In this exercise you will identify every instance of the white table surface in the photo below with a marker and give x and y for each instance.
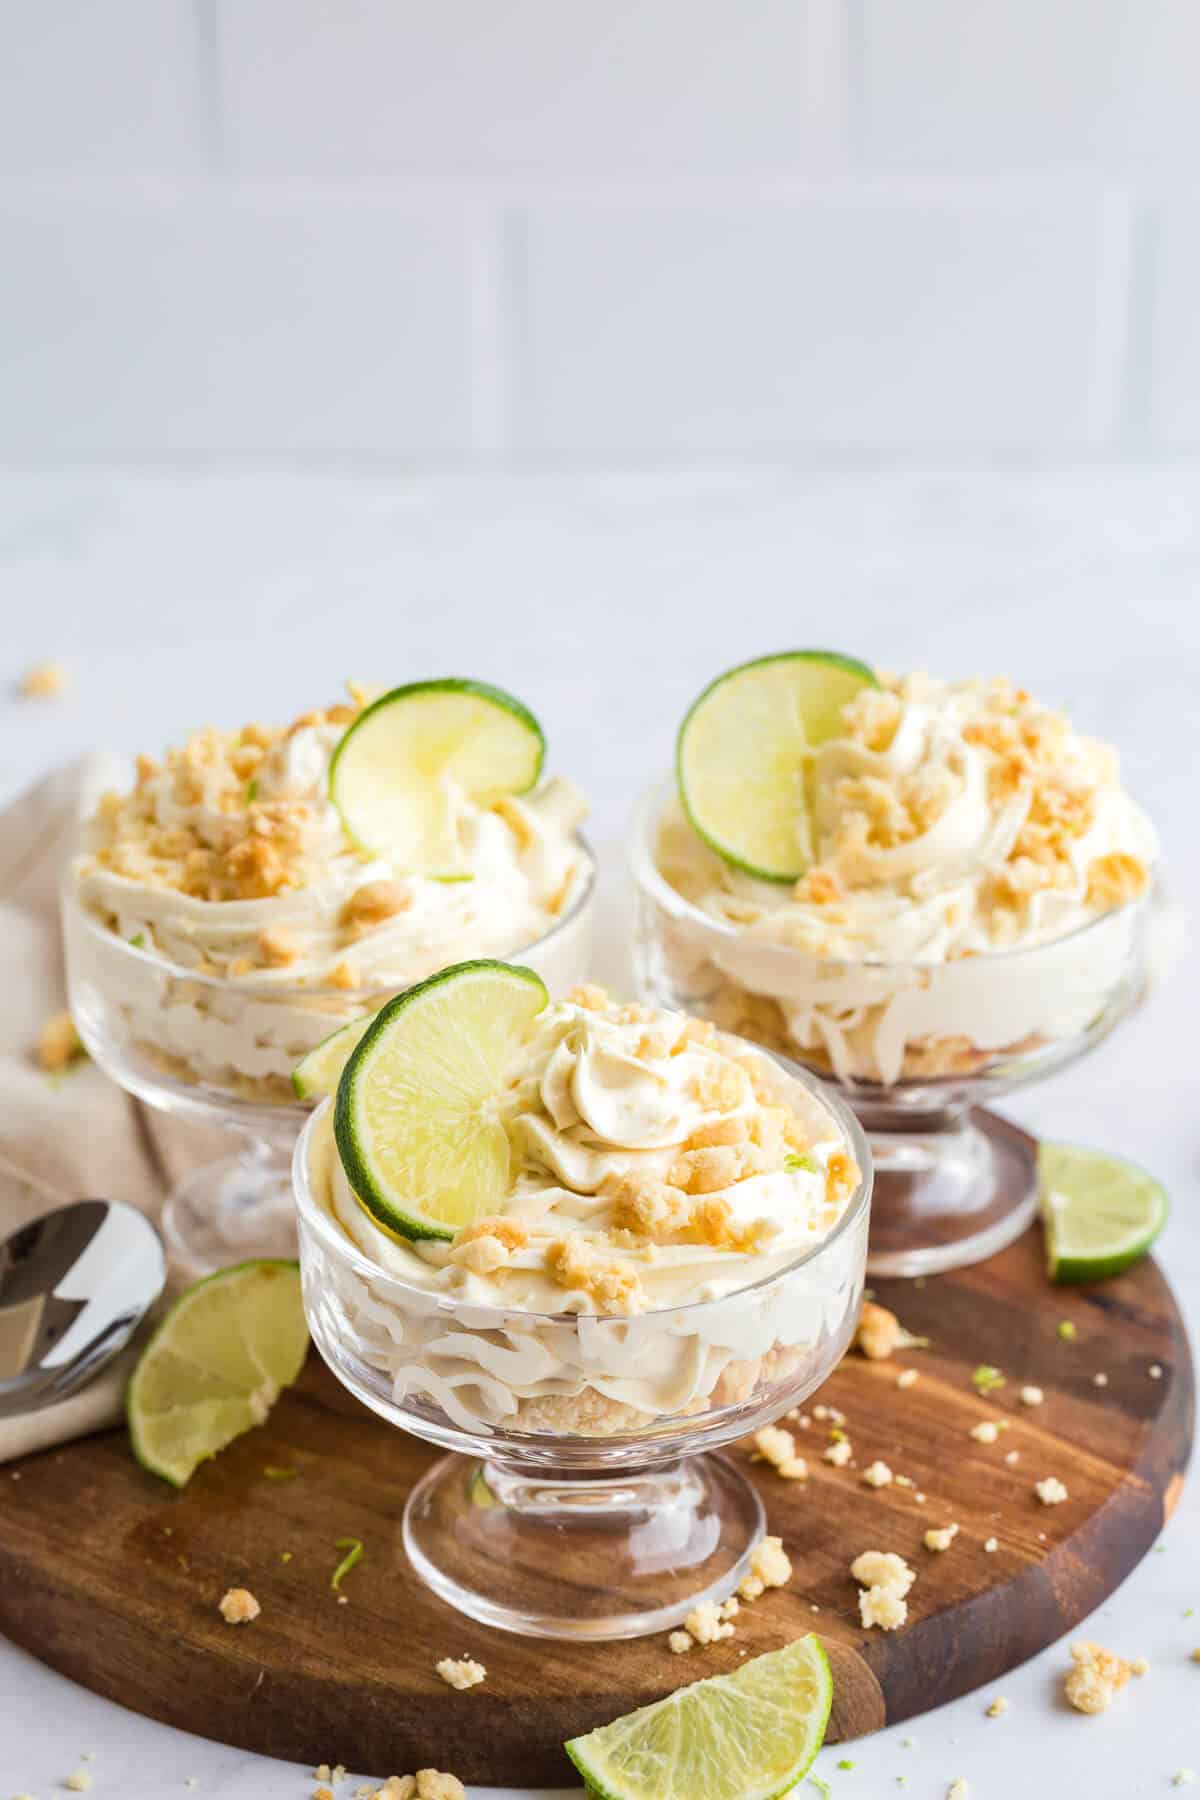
(606, 601)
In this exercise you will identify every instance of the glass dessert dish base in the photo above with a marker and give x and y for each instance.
(602, 1556)
(950, 1195)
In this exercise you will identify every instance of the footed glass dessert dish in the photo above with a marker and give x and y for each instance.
(927, 892)
(583, 1347)
(257, 889)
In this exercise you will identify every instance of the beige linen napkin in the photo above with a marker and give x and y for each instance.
(76, 1134)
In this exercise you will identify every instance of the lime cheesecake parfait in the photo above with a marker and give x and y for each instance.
(927, 892)
(579, 1244)
(254, 890)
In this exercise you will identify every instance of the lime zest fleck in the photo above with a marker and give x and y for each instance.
(845, 1763)
(823, 1788)
(273, 1473)
(252, 791)
(354, 1549)
(792, 1161)
(1067, 1329)
(986, 1379)
(285, 1556)
(138, 939)
(449, 880)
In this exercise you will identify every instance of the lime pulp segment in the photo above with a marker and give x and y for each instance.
(390, 774)
(419, 1111)
(318, 1073)
(750, 1735)
(742, 753)
(216, 1366)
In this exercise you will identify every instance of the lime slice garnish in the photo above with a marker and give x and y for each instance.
(318, 1073)
(418, 1116)
(216, 1366)
(741, 755)
(1100, 1213)
(747, 1736)
(388, 776)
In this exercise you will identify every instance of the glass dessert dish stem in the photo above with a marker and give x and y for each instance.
(587, 1554)
(234, 1209)
(951, 1187)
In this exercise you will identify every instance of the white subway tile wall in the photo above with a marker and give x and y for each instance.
(843, 321)
(884, 228)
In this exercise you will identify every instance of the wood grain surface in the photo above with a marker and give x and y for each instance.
(114, 1579)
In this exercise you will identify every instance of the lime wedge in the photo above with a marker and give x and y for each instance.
(216, 1366)
(318, 1073)
(741, 755)
(747, 1736)
(1100, 1213)
(418, 1116)
(388, 776)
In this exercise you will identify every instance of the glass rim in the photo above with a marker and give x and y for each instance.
(260, 983)
(336, 1240)
(650, 880)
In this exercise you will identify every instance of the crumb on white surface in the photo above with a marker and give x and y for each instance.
(998, 1708)
(959, 1790)
(461, 1672)
(45, 681)
(238, 1606)
(79, 1782)
(1051, 1491)
(1184, 1778)
(1139, 1667)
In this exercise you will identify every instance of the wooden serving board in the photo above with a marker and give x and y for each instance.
(114, 1579)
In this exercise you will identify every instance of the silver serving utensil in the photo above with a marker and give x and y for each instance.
(74, 1286)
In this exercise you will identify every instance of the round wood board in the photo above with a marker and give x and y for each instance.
(114, 1579)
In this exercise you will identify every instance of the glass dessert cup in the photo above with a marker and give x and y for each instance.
(915, 1048)
(580, 1501)
(221, 1052)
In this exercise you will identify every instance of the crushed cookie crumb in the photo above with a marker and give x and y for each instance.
(998, 1708)
(883, 1568)
(45, 681)
(940, 1537)
(959, 1790)
(1051, 1491)
(1100, 1379)
(58, 1043)
(1012, 1456)
(1032, 1396)
(986, 1432)
(704, 1624)
(462, 1673)
(79, 1782)
(1156, 1373)
(885, 1607)
(238, 1606)
(877, 1475)
(679, 1643)
(839, 1453)
(991, 1546)
(907, 1378)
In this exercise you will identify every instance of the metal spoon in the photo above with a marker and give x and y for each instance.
(74, 1286)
